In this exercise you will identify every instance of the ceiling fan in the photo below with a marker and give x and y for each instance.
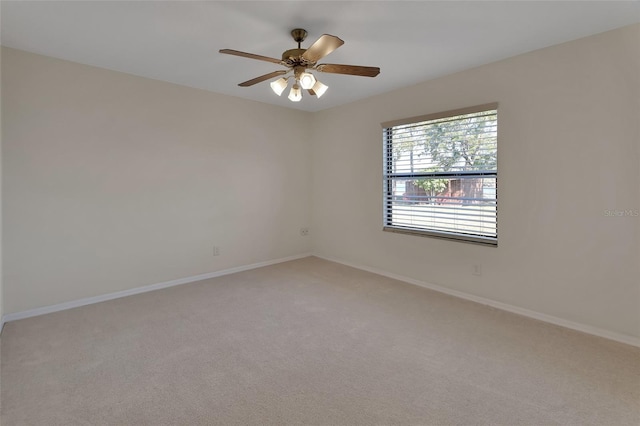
(299, 61)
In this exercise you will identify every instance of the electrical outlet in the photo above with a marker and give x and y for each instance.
(216, 251)
(304, 231)
(477, 270)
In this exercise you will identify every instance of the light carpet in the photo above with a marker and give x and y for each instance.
(309, 342)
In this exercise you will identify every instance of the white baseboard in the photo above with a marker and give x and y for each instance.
(124, 293)
(622, 338)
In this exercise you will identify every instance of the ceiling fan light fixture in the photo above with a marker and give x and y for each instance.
(300, 63)
(295, 95)
(279, 85)
(307, 80)
(319, 88)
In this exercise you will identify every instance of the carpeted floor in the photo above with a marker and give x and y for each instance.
(309, 342)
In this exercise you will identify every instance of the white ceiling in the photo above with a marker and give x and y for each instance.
(410, 41)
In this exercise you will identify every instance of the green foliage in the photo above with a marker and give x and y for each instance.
(463, 143)
(451, 144)
(431, 186)
(468, 144)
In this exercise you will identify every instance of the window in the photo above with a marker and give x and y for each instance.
(440, 174)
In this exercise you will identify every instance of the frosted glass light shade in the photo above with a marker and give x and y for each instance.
(279, 85)
(319, 88)
(295, 95)
(307, 80)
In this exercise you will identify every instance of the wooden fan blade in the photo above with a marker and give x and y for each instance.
(262, 78)
(250, 56)
(349, 69)
(322, 47)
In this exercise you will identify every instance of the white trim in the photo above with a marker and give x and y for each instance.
(124, 293)
(622, 338)
(618, 337)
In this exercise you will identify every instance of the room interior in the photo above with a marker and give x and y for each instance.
(123, 186)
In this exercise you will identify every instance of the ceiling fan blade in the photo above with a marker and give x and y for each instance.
(262, 78)
(250, 56)
(322, 47)
(349, 69)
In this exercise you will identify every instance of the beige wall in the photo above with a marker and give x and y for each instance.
(568, 151)
(113, 181)
(1, 284)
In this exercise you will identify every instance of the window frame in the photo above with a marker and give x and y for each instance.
(388, 194)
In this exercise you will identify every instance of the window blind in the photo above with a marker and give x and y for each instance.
(440, 175)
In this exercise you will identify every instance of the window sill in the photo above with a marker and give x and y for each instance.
(473, 239)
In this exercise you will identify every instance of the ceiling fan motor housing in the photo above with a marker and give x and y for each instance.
(292, 54)
(293, 57)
